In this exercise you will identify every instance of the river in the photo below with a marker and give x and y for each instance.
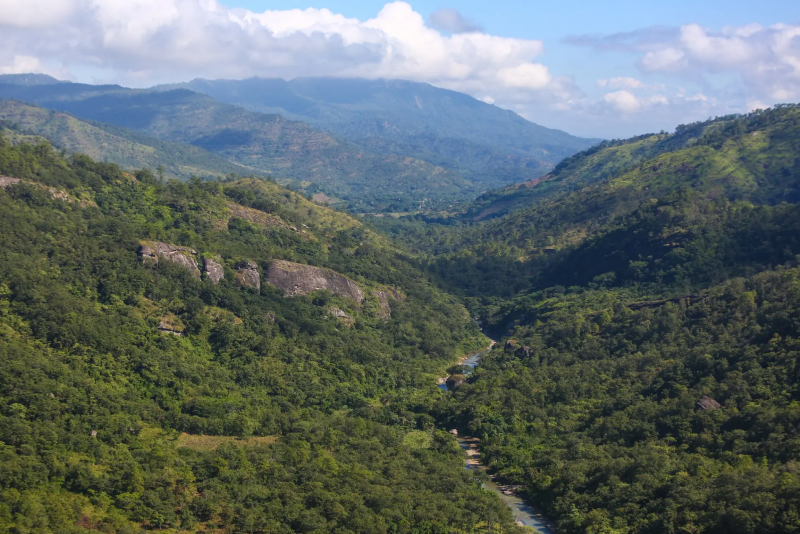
(524, 513)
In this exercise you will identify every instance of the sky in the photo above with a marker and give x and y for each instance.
(607, 69)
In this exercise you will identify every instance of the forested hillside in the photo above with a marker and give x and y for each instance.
(647, 379)
(153, 376)
(354, 177)
(489, 144)
(113, 144)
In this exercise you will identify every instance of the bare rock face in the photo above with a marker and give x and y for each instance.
(248, 276)
(153, 251)
(296, 279)
(213, 270)
(705, 404)
(5, 181)
(384, 296)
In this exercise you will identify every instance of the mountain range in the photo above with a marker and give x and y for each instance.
(228, 355)
(371, 161)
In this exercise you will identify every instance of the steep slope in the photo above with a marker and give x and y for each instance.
(270, 143)
(647, 375)
(113, 144)
(493, 145)
(137, 395)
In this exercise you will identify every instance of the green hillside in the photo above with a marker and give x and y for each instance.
(488, 144)
(112, 144)
(138, 395)
(647, 306)
(362, 180)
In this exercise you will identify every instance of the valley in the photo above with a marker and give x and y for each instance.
(190, 343)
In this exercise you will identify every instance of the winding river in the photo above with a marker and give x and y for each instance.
(524, 513)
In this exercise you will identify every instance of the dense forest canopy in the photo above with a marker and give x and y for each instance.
(141, 396)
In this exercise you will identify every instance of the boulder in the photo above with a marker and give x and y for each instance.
(524, 352)
(342, 316)
(213, 270)
(705, 404)
(153, 251)
(248, 276)
(297, 279)
(454, 381)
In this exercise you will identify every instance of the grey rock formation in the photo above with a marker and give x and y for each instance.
(384, 297)
(213, 270)
(297, 279)
(524, 352)
(153, 251)
(5, 181)
(705, 404)
(248, 276)
(454, 381)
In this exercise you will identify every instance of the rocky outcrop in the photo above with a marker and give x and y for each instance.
(5, 181)
(524, 352)
(170, 324)
(154, 251)
(706, 404)
(384, 297)
(213, 270)
(55, 194)
(342, 316)
(454, 381)
(297, 279)
(248, 276)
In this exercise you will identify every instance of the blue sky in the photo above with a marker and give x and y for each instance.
(604, 69)
(554, 21)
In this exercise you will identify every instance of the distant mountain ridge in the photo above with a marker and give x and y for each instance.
(407, 118)
(269, 143)
(129, 149)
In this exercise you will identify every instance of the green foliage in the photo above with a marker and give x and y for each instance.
(95, 394)
(358, 179)
(486, 144)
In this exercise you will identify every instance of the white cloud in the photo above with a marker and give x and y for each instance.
(451, 21)
(150, 41)
(621, 83)
(624, 101)
(766, 59)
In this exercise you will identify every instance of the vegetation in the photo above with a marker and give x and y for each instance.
(647, 293)
(358, 179)
(649, 379)
(295, 421)
(103, 142)
(489, 145)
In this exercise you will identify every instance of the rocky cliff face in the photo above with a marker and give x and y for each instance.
(153, 251)
(213, 270)
(384, 297)
(296, 279)
(248, 276)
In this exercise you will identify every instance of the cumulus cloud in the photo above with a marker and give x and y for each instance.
(147, 41)
(622, 82)
(451, 21)
(766, 60)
